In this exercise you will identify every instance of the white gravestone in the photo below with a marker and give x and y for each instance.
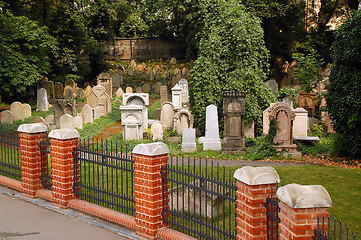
(87, 114)
(183, 83)
(167, 115)
(177, 96)
(6, 117)
(131, 118)
(66, 121)
(189, 140)
(42, 100)
(157, 131)
(78, 122)
(27, 110)
(212, 140)
(300, 124)
(141, 99)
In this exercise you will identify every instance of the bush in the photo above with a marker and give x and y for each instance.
(232, 56)
(344, 88)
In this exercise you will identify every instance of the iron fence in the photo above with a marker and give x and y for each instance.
(199, 200)
(45, 177)
(10, 162)
(331, 231)
(104, 175)
(272, 212)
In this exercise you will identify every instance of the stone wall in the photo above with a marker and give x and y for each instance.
(143, 48)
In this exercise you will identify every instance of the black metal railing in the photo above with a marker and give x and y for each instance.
(331, 231)
(10, 162)
(45, 177)
(199, 200)
(272, 212)
(104, 175)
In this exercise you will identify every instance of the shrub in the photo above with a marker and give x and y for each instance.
(344, 88)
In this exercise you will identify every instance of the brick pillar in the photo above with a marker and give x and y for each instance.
(30, 137)
(299, 208)
(253, 186)
(62, 164)
(148, 161)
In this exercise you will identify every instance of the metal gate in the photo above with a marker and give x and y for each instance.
(272, 211)
(45, 165)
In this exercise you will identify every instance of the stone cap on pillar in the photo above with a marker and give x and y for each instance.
(65, 133)
(299, 196)
(257, 175)
(151, 149)
(32, 128)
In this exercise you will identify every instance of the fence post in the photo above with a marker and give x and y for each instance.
(62, 164)
(254, 184)
(30, 137)
(299, 208)
(148, 162)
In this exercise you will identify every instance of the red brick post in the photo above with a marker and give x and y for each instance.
(148, 161)
(30, 137)
(299, 208)
(62, 164)
(253, 187)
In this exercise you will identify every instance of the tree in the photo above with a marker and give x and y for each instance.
(25, 48)
(232, 56)
(344, 88)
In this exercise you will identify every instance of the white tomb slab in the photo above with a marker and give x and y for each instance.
(131, 118)
(212, 140)
(189, 140)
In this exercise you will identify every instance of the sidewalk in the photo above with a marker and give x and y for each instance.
(23, 218)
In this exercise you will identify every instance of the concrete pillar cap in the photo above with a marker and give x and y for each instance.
(151, 149)
(309, 196)
(32, 128)
(257, 175)
(65, 133)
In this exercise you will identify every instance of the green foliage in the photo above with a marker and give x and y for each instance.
(344, 88)
(133, 26)
(327, 145)
(24, 50)
(232, 56)
(286, 92)
(307, 71)
(156, 104)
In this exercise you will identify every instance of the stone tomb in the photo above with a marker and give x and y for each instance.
(234, 113)
(284, 116)
(105, 80)
(167, 115)
(61, 107)
(212, 140)
(131, 118)
(99, 98)
(183, 119)
(300, 124)
(192, 197)
(141, 99)
(177, 96)
(41, 100)
(189, 140)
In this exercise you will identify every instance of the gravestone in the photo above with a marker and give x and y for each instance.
(157, 131)
(68, 93)
(300, 124)
(284, 117)
(249, 130)
(87, 114)
(61, 107)
(307, 101)
(66, 121)
(177, 96)
(80, 94)
(212, 140)
(50, 89)
(70, 82)
(39, 120)
(138, 89)
(141, 99)
(183, 83)
(16, 108)
(117, 79)
(129, 90)
(50, 119)
(42, 101)
(189, 140)
(6, 117)
(88, 90)
(58, 91)
(164, 97)
(99, 98)
(119, 93)
(157, 86)
(146, 88)
(96, 113)
(167, 115)
(131, 118)
(105, 80)
(234, 113)
(183, 119)
(274, 85)
(27, 110)
(78, 122)
(175, 79)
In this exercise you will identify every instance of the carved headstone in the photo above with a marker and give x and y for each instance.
(80, 94)
(131, 118)
(307, 101)
(50, 89)
(177, 96)
(88, 90)
(234, 113)
(167, 115)
(183, 119)
(70, 82)
(105, 80)
(61, 107)
(58, 91)
(183, 83)
(117, 79)
(99, 98)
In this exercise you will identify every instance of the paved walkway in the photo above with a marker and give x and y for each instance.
(22, 218)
